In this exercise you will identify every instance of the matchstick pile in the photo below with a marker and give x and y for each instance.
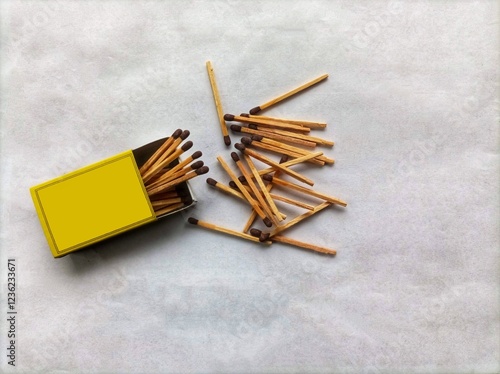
(162, 173)
(290, 139)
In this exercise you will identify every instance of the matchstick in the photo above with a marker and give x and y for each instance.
(262, 139)
(276, 100)
(211, 226)
(185, 162)
(283, 239)
(291, 134)
(271, 148)
(264, 205)
(271, 135)
(290, 201)
(245, 193)
(310, 124)
(166, 161)
(300, 218)
(273, 164)
(293, 161)
(266, 123)
(170, 208)
(304, 190)
(223, 187)
(167, 177)
(218, 105)
(165, 202)
(160, 151)
(169, 195)
(188, 176)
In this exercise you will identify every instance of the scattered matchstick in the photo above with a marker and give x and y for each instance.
(211, 226)
(300, 218)
(218, 105)
(266, 123)
(223, 187)
(289, 139)
(276, 100)
(283, 239)
(291, 134)
(310, 124)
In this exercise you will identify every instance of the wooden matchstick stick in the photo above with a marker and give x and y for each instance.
(293, 161)
(211, 226)
(165, 202)
(283, 239)
(218, 105)
(269, 187)
(310, 124)
(271, 148)
(264, 205)
(167, 177)
(290, 201)
(304, 190)
(168, 151)
(225, 188)
(276, 100)
(271, 135)
(300, 218)
(262, 187)
(169, 195)
(266, 123)
(262, 139)
(166, 161)
(273, 164)
(185, 162)
(188, 176)
(169, 209)
(245, 193)
(160, 151)
(291, 134)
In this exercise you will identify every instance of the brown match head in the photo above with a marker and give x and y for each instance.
(236, 128)
(246, 140)
(267, 177)
(264, 236)
(202, 170)
(227, 140)
(255, 232)
(255, 110)
(267, 222)
(233, 185)
(240, 147)
(235, 156)
(197, 165)
(187, 200)
(185, 134)
(196, 155)
(211, 181)
(245, 115)
(186, 146)
(257, 138)
(177, 133)
(242, 179)
(229, 117)
(192, 220)
(252, 126)
(283, 159)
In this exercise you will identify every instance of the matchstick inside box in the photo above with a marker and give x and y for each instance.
(117, 194)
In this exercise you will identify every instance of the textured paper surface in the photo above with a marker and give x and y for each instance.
(412, 104)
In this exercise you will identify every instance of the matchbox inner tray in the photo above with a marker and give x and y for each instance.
(98, 201)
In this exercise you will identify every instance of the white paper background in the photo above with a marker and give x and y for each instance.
(412, 104)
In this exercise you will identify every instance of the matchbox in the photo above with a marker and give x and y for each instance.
(101, 200)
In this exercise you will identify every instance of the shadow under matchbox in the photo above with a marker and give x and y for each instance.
(105, 199)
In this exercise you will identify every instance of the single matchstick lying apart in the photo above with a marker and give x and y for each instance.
(266, 123)
(283, 239)
(310, 124)
(162, 174)
(276, 100)
(218, 105)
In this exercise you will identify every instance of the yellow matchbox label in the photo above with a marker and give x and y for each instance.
(92, 204)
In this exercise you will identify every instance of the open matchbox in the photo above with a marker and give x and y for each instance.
(98, 201)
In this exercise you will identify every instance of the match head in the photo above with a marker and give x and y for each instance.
(202, 170)
(192, 220)
(196, 155)
(283, 159)
(246, 140)
(236, 128)
(211, 181)
(242, 179)
(267, 222)
(255, 110)
(245, 115)
(252, 126)
(267, 177)
(235, 156)
(185, 134)
(240, 147)
(227, 140)
(188, 200)
(257, 137)
(197, 165)
(255, 232)
(229, 117)
(264, 236)
(233, 185)
(177, 133)
(186, 146)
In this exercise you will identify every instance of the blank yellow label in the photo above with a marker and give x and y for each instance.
(92, 204)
